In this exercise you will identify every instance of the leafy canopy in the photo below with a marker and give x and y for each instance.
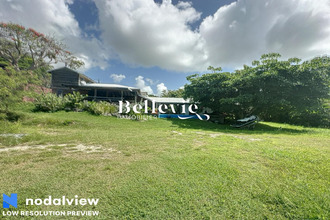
(18, 42)
(276, 90)
(25, 57)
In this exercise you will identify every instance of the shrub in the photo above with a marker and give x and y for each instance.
(72, 101)
(135, 116)
(84, 105)
(49, 103)
(14, 116)
(102, 108)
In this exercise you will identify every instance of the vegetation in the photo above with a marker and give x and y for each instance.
(25, 57)
(18, 42)
(167, 168)
(288, 91)
(12, 86)
(72, 102)
(173, 93)
(171, 168)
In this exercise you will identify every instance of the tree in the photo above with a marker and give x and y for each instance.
(17, 43)
(173, 93)
(25, 57)
(209, 90)
(282, 91)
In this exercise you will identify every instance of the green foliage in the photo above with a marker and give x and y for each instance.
(281, 91)
(18, 42)
(173, 93)
(84, 105)
(25, 58)
(49, 103)
(102, 108)
(12, 85)
(72, 101)
(11, 116)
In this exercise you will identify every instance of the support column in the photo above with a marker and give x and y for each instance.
(95, 94)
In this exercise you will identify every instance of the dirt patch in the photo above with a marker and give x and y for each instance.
(247, 138)
(255, 139)
(13, 135)
(215, 135)
(175, 132)
(92, 149)
(71, 148)
(202, 133)
(27, 147)
(50, 132)
(198, 143)
(242, 137)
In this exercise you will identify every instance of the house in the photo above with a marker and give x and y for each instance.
(65, 80)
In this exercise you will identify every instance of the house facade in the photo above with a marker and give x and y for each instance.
(65, 80)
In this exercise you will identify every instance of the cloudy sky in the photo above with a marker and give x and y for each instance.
(154, 45)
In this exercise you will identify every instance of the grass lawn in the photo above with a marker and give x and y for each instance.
(167, 168)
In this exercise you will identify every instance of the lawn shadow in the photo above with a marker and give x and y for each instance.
(260, 128)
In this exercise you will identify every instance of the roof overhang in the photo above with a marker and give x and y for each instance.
(165, 100)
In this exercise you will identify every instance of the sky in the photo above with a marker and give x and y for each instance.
(155, 45)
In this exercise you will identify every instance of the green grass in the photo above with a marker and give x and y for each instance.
(167, 168)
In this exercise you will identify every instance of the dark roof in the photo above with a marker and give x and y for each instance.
(168, 100)
(108, 86)
(71, 70)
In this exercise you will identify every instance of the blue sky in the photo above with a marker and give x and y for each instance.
(155, 45)
(86, 13)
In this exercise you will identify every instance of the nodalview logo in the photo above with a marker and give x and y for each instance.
(12, 201)
(9, 200)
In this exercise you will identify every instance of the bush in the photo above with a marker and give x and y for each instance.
(49, 103)
(72, 101)
(84, 105)
(11, 116)
(14, 116)
(102, 108)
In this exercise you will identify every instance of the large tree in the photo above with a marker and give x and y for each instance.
(25, 57)
(277, 90)
(173, 93)
(18, 42)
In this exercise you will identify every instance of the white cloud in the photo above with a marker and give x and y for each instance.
(244, 30)
(150, 81)
(145, 33)
(141, 84)
(161, 88)
(54, 18)
(117, 77)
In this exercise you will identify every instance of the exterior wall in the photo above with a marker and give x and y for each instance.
(65, 80)
(61, 78)
(37, 89)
